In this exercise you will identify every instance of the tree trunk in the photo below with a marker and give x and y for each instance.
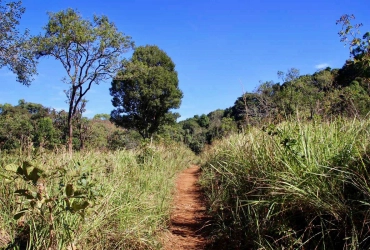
(71, 113)
(70, 136)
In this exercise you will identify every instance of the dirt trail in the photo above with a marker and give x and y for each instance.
(188, 218)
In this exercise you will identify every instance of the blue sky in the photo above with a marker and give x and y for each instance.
(220, 48)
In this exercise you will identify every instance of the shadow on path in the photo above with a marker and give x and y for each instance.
(189, 222)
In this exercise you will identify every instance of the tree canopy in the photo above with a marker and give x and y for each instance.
(145, 91)
(90, 52)
(16, 49)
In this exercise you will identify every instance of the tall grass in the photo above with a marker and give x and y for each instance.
(132, 206)
(292, 186)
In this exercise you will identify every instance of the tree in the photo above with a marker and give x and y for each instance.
(145, 91)
(246, 109)
(215, 123)
(194, 135)
(203, 121)
(288, 94)
(266, 95)
(89, 51)
(359, 47)
(15, 127)
(27, 125)
(16, 50)
(45, 134)
(355, 74)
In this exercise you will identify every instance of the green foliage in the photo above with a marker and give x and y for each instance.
(203, 121)
(145, 92)
(16, 50)
(124, 139)
(201, 130)
(359, 67)
(326, 93)
(98, 200)
(17, 126)
(146, 154)
(45, 211)
(29, 126)
(89, 51)
(359, 47)
(228, 126)
(45, 135)
(170, 133)
(294, 185)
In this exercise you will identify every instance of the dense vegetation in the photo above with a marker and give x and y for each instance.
(297, 185)
(299, 180)
(29, 126)
(285, 167)
(325, 94)
(145, 92)
(98, 200)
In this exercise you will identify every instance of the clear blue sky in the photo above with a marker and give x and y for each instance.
(220, 48)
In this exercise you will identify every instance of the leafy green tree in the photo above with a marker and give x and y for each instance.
(355, 101)
(45, 135)
(16, 50)
(324, 79)
(288, 94)
(354, 77)
(246, 109)
(215, 117)
(15, 127)
(60, 123)
(89, 51)
(228, 126)
(171, 132)
(266, 95)
(215, 123)
(191, 129)
(359, 47)
(203, 121)
(145, 91)
(27, 125)
(197, 132)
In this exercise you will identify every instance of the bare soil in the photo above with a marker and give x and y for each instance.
(188, 229)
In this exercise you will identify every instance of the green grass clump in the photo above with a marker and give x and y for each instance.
(128, 195)
(292, 186)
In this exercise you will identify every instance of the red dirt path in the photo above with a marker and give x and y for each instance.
(188, 218)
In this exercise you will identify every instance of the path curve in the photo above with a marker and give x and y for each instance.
(188, 218)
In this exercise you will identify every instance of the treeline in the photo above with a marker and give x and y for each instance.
(28, 126)
(145, 89)
(326, 94)
(323, 95)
